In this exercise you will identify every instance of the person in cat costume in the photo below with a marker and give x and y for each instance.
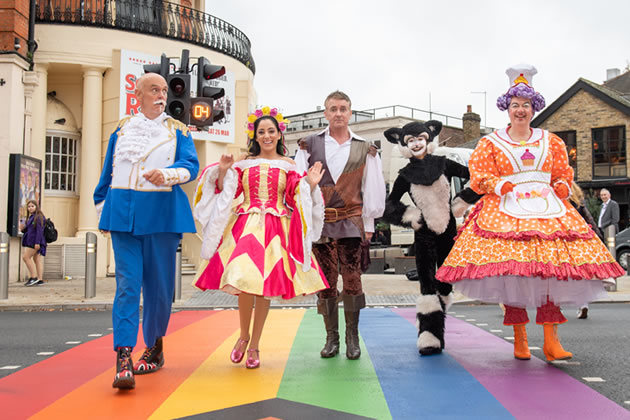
(426, 178)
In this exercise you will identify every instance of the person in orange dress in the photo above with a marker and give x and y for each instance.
(523, 244)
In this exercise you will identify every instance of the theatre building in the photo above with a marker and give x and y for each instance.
(67, 75)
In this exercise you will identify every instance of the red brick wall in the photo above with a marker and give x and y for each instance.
(14, 24)
(451, 136)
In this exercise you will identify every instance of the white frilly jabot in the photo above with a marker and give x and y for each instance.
(137, 135)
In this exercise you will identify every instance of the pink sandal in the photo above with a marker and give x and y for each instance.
(253, 359)
(238, 351)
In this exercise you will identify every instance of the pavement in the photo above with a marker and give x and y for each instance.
(380, 290)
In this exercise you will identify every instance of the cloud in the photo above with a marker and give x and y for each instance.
(400, 52)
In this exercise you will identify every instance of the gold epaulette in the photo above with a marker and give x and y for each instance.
(124, 121)
(174, 124)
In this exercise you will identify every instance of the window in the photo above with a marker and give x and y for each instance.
(609, 152)
(570, 142)
(61, 163)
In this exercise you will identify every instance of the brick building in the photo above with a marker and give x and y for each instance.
(594, 121)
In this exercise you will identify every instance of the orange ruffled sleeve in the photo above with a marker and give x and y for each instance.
(484, 171)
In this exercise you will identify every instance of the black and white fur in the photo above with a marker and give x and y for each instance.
(427, 179)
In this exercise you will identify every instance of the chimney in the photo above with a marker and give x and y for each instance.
(612, 73)
(472, 125)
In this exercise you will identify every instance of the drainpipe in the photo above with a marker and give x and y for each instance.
(32, 44)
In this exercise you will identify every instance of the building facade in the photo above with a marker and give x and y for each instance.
(594, 121)
(371, 124)
(62, 67)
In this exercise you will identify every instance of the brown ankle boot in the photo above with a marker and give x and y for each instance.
(521, 349)
(552, 348)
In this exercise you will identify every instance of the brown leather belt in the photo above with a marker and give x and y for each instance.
(332, 214)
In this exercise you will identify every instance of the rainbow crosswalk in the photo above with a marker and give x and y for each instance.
(476, 377)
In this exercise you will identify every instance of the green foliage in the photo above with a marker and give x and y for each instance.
(382, 226)
(592, 203)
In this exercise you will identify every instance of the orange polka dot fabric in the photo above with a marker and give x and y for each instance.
(492, 243)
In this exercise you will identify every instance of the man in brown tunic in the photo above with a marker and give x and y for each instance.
(354, 194)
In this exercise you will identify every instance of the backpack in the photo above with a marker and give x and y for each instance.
(50, 233)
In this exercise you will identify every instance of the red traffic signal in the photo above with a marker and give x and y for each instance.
(203, 112)
(178, 102)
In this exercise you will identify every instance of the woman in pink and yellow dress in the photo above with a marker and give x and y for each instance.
(259, 248)
(523, 245)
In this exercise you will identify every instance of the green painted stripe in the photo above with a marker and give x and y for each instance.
(337, 383)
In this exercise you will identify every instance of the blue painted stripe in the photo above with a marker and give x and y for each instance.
(417, 386)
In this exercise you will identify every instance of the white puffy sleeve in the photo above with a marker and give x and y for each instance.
(373, 189)
(212, 207)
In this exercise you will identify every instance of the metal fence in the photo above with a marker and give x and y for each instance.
(375, 113)
(151, 17)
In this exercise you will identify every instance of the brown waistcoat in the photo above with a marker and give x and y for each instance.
(343, 200)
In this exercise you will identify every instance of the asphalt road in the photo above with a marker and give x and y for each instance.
(600, 344)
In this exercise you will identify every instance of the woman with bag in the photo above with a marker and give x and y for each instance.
(34, 243)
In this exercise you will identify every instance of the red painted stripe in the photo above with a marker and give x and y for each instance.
(54, 377)
(185, 350)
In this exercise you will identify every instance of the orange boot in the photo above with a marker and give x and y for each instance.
(552, 348)
(521, 349)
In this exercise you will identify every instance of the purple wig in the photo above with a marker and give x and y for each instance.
(521, 90)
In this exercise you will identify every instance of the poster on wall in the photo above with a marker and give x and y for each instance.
(24, 185)
(131, 68)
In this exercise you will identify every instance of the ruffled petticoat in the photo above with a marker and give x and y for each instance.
(525, 268)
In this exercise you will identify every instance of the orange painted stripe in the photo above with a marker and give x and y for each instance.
(62, 373)
(185, 350)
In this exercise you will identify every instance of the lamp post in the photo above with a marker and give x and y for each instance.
(485, 112)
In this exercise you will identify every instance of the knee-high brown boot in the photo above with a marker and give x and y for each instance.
(552, 348)
(352, 306)
(330, 311)
(521, 348)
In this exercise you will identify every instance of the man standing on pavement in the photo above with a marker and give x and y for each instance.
(354, 195)
(609, 213)
(140, 202)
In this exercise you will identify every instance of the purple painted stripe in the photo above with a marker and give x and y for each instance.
(527, 389)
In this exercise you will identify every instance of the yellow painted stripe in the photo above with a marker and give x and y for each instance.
(218, 383)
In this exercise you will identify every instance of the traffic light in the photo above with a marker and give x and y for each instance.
(178, 102)
(203, 112)
(163, 68)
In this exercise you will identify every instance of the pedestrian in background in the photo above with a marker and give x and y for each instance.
(609, 213)
(577, 200)
(34, 243)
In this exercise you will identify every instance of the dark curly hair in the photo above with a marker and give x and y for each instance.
(254, 148)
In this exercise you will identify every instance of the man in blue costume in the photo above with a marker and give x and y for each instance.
(140, 202)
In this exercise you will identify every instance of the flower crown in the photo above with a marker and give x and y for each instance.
(265, 111)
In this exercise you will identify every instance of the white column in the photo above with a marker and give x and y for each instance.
(37, 146)
(91, 137)
(31, 82)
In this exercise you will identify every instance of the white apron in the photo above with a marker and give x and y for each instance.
(532, 196)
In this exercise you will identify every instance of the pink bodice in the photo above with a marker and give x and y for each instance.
(263, 190)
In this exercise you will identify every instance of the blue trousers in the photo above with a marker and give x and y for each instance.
(143, 263)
